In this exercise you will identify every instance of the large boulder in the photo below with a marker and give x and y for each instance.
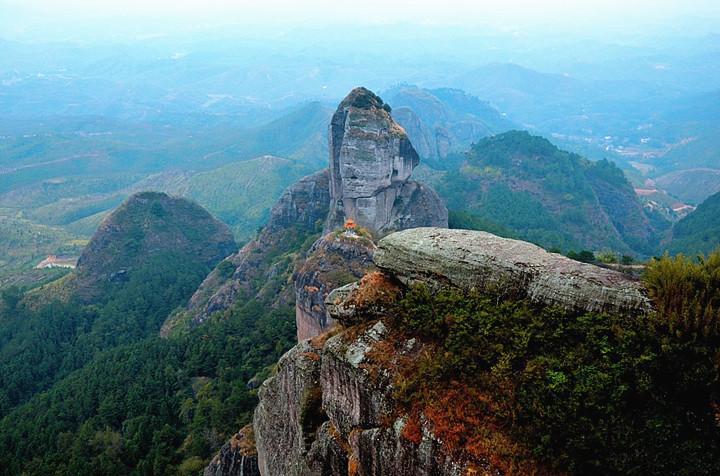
(508, 268)
(371, 160)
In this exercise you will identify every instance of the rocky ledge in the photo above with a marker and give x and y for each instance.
(508, 268)
(325, 413)
(329, 410)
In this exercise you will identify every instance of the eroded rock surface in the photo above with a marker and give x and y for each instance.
(300, 210)
(334, 260)
(371, 160)
(237, 457)
(324, 414)
(330, 409)
(509, 268)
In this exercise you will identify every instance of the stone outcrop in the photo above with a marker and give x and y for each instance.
(371, 160)
(334, 260)
(237, 457)
(329, 410)
(324, 414)
(510, 268)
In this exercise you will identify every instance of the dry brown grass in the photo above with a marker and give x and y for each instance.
(375, 289)
(318, 341)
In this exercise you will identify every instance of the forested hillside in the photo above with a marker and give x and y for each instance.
(524, 184)
(699, 232)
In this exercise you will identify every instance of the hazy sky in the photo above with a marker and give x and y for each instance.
(23, 15)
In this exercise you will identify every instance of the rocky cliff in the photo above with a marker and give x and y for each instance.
(238, 457)
(371, 160)
(336, 259)
(331, 407)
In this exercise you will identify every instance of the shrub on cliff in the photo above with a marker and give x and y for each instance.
(584, 393)
(686, 293)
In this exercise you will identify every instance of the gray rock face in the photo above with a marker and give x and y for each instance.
(324, 415)
(289, 413)
(237, 457)
(371, 160)
(509, 268)
(334, 260)
(303, 204)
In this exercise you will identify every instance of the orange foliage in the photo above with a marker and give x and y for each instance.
(349, 224)
(463, 418)
(311, 356)
(376, 289)
(412, 431)
(318, 341)
(353, 465)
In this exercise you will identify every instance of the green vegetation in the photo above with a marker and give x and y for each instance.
(585, 393)
(583, 256)
(686, 293)
(468, 221)
(522, 185)
(91, 389)
(24, 244)
(241, 194)
(699, 232)
(151, 407)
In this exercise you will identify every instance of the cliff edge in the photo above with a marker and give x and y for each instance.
(339, 405)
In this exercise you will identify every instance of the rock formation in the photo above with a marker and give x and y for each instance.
(510, 268)
(323, 414)
(329, 410)
(371, 160)
(299, 212)
(237, 457)
(334, 260)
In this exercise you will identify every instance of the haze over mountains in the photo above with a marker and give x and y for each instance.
(341, 239)
(85, 125)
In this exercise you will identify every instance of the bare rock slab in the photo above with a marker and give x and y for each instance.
(508, 268)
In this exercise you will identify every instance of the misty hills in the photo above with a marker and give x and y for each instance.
(443, 121)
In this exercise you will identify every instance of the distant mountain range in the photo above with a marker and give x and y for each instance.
(442, 122)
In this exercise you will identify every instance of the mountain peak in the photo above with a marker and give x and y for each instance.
(363, 98)
(371, 160)
(150, 225)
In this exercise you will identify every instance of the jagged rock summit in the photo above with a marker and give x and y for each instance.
(368, 181)
(371, 160)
